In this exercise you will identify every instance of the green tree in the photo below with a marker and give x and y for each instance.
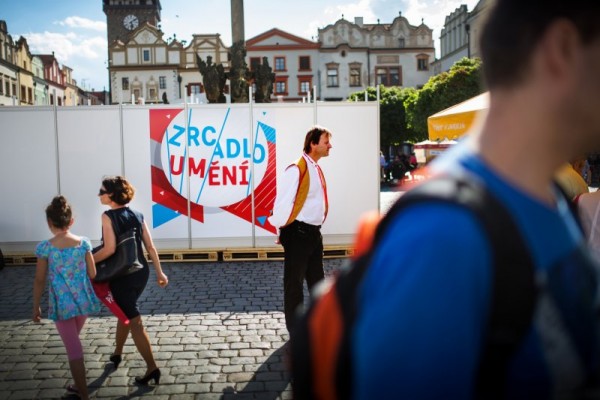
(392, 116)
(444, 90)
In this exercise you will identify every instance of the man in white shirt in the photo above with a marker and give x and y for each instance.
(299, 211)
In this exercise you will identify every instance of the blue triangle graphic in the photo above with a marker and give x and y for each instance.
(262, 220)
(162, 215)
(269, 131)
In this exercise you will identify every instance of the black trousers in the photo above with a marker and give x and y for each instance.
(303, 254)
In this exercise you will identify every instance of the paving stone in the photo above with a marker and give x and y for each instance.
(217, 331)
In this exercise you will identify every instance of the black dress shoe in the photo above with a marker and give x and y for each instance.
(116, 360)
(152, 375)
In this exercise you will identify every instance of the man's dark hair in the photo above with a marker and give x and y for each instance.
(514, 28)
(313, 136)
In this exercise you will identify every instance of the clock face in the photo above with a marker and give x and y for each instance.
(130, 22)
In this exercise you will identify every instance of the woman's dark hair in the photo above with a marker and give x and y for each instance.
(313, 136)
(119, 189)
(59, 212)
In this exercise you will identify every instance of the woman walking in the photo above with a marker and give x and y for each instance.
(116, 192)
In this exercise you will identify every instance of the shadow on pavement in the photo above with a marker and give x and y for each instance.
(270, 380)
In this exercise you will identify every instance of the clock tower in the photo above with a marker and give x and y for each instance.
(124, 16)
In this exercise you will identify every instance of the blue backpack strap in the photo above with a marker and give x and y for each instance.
(514, 290)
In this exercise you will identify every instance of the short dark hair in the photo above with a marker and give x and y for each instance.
(313, 136)
(119, 189)
(514, 28)
(59, 212)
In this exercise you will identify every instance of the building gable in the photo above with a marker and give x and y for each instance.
(279, 38)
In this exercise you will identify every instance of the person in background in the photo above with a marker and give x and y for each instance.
(116, 192)
(382, 166)
(588, 207)
(569, 177)
(412, 161)
(65, 265)
(424, 305)
(299, 211)
(586, 171)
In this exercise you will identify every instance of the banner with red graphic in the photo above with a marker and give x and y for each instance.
(210, 158)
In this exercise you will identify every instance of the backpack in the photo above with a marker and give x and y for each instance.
(320, 343)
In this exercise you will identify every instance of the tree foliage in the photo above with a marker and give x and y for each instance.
(403, 112)
(392, 116)
(444, 90)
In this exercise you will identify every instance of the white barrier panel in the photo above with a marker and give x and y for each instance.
(205, 175)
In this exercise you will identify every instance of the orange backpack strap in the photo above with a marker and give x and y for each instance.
(365, 232)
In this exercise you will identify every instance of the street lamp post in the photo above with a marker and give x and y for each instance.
(468, 30)
(179, 82)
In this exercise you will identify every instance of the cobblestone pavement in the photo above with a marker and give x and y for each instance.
(217, 331)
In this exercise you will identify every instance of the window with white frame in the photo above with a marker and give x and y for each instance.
(388, 76)
(333, 76)
(422, 63)
(280, 87)
(355, 75)
(279, 63)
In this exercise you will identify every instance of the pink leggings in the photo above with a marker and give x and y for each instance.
(68, 330)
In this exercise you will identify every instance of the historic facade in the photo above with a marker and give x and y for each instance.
(9, 93)
(476, 19)
(25, 76)
(460, 36)
(294, 60)
(125, 16)
(148, 69)
(356, 55)
(203, 46)
(55, 79)
(34, 79)
(40, 87)
(454, 40)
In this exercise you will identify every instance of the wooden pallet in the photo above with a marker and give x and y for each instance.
(188, 255)
(253, 254)
(276, 253)
(207, 255)
(19, 259)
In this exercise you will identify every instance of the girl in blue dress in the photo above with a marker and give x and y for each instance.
(65, 265)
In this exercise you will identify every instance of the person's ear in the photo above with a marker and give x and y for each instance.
(560, 49)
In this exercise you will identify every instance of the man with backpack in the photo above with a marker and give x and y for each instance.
(478, 284)
(424, 306)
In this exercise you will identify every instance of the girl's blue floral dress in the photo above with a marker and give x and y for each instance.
(70, 291)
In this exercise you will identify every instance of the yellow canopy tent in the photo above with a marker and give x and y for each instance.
(454, 121)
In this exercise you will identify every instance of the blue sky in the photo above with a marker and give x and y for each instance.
(76, 29)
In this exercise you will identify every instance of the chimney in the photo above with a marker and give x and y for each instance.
(358, 21)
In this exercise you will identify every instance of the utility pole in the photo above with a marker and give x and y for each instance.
(238, 70)
(237, 21)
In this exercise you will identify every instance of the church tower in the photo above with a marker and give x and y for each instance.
(124, 16)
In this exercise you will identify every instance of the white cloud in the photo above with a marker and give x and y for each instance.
(67, 46)
(83, 23)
